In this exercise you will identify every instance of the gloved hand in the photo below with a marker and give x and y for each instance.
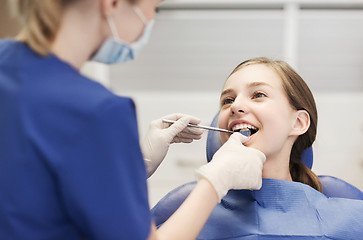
(160, 135)
(234, 166)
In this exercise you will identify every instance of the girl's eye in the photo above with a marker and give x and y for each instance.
(227, 101)
(258, 95)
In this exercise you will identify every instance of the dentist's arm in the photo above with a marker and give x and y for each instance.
(160, 135)
(187, 222)
(233, 166)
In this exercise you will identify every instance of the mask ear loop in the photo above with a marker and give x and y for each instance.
(113, 29)
(140, 14)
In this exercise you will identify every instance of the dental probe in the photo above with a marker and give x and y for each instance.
(246, 132)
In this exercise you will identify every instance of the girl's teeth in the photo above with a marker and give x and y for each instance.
(242, 126)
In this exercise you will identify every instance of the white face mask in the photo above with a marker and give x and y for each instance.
(114, 50)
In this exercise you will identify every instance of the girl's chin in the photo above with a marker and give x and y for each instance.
(224, 137)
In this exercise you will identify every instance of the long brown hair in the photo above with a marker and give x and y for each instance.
(300, 98)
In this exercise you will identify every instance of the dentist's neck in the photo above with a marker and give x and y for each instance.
(77, 37)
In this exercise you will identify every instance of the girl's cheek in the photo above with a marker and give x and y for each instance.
(223, 119)
(223, 123)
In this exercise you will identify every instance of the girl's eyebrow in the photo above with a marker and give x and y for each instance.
(250, 85)
(256, 84)
(226, 91)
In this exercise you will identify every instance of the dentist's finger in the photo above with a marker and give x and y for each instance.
(178, 139)
(179, 125)
(194, 130)
(239, 137)
(182, 140)
(187, 135)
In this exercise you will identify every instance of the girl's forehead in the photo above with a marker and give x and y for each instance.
(254, 73)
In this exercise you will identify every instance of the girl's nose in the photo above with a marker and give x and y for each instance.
(239, 111)
(238, 108)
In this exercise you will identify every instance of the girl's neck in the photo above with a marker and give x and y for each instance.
(274, 170)
(277, 165)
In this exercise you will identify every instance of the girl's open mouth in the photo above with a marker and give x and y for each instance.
(245, 127)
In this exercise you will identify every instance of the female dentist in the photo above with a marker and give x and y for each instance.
(71, 166)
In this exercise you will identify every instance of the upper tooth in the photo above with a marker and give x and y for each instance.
(244, 125)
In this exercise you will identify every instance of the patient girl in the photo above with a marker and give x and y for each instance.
(273, 101)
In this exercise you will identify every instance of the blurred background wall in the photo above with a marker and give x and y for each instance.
(195, 44)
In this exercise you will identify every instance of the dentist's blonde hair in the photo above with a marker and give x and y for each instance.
(40, 20)
(300, 98)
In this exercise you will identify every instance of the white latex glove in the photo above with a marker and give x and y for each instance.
(160, 135)
(234, 166)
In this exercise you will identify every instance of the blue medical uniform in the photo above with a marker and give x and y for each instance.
(70, 160)
(280, 210)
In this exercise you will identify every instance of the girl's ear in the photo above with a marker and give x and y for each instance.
(302, 123)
